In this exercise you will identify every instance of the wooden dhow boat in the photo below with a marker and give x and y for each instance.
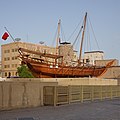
(55, 68)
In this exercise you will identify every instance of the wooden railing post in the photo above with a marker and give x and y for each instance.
(69, 94)
(55, 96)
(81, 94)
(92, 93)
(101, 96)
(118, 90)
(41, 95)
(111, 95)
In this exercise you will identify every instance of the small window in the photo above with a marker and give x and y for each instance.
(12, 65)
(12, 58)
(5, 74)
(15, 57)
(16, 49)
(15, 65)
(8, 58)
(12, 50)
(4, 51)
(8, 51)
(5, 66)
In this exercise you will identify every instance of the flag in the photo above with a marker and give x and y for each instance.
(5, 36)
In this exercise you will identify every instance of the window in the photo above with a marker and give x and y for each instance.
(6, 51)
(9, 74)
(5, 74)
(15, 65)
(8, 58)
(12, 50)
(6, 66)
(15, 57)
(16, 49)
(12, 73)
(12, 58)
(12, 65)
(16, 74)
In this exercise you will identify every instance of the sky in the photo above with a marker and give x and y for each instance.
(36, 20)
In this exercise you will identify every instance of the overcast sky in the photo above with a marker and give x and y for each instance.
(36, 20)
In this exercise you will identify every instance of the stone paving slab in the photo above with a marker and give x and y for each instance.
(99, 110)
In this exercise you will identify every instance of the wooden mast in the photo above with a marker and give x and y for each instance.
(81, 45)
(58, 36)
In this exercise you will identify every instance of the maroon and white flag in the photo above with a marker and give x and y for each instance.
(5, 36)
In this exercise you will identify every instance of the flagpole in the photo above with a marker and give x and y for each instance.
(9, 34)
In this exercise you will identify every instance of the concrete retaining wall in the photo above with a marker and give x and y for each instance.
(17, 94)
(25, 92)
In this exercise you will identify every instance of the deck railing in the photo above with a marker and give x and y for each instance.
(57, 95)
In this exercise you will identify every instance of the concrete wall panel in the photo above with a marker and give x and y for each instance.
(17, 92)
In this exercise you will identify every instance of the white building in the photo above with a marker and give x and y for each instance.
(92, 56)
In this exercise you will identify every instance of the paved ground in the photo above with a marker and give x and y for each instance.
(104, 110)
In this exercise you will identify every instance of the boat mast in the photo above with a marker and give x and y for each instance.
(81, 45)
(58, 36)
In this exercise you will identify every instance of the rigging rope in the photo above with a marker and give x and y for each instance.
(94, 34)
(54, 39)
(87, 43)
(63, 34)
(75, 29)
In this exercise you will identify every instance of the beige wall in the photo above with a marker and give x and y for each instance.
(93, 55)
(27, 92)
(21, 94)
(104, 62)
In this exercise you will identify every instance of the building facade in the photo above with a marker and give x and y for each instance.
(92, 56)
(10, 56)
(69, 55)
